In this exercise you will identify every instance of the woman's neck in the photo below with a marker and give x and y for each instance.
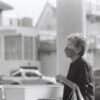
(75, 58)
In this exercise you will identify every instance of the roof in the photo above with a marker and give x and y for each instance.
(4, 6)
(51, 7)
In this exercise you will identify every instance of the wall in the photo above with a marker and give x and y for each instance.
(48, 63)
(7, 65)
(93, 30)
(70, 17)
(90, 58)
(33, 92)
(0, 17)
(12, 93)
(27, 22)
(42, 92)
(96, 59)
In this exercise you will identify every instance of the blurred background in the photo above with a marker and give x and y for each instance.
(33, 36)
(28, 34)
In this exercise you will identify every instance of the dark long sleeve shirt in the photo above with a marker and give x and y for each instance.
(80, 72)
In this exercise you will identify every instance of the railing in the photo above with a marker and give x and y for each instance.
(10, 22)
(16, 22)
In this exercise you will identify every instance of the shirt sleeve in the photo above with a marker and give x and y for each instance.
(71, 77)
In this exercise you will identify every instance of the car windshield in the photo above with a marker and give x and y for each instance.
(17, 74)
(30, 74)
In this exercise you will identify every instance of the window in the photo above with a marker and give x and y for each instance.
(28, 48)
(18, 75)
(13, 48)
(30, 74)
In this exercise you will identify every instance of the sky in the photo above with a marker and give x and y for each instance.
(26, 8)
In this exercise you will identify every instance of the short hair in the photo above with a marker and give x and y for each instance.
(79, 41)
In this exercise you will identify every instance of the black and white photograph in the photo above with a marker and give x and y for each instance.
(49, 50)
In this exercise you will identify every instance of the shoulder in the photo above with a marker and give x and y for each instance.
(85, 64)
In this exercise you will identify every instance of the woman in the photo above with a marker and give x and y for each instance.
(80, 71)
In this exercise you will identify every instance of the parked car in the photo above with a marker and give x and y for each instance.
(27, 76)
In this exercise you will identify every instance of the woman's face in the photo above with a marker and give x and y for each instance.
(70, 49)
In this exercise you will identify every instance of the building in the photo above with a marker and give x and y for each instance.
(46, 26)
(3, 7)
(93, 31)
(17, 43)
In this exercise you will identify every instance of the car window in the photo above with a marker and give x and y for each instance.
(17, 74)
(29, 74)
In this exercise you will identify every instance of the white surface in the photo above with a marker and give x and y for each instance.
(32, 92)
(40, 92)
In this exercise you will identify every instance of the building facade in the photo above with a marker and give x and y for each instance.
(93, 31)
(46, 27)
(17, 43)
